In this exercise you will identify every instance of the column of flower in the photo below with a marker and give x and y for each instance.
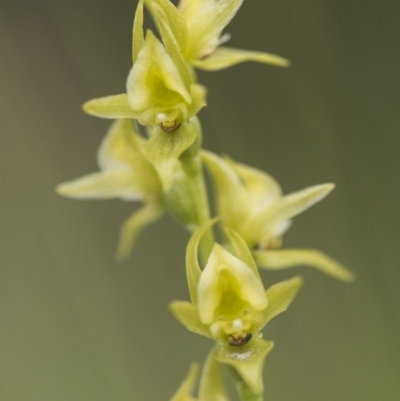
(164, 170)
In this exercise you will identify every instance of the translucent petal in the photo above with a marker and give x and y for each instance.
(188, 315)
(172, 44)
(137, 37)
(121, 149)
(173, 19)
(248, 361)
(207, 27)
(163, 150)
(285, 258)
(262, 189)
(280, 296)
(224, 272)
(198, 95)
(191, 9)
(154, 80)
(289, 206)
(110, 107)
(193, 270)
(224, 57)
(104, 185)
(186, 388)
(228, 186)
(242, 251)
(132, 227)
(211, 387)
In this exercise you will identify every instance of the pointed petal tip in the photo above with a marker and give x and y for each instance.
(348, 276)
(323, 190)
(86, 107)
(63, 190)
(121, 255)
(299, 280)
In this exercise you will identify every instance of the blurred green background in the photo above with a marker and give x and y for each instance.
(75, 325)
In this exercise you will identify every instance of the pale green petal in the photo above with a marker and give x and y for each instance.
(104, 185)
(163, 150)
(154, 80)
(121, 149)
(188, 315)
(137, 37)
(289, 206)
(211, 387)
(206, 29)
(172, 44)
(224, 57)
(132, 227)
(261, 187)
(224, 272)
(198, 94)
(285, 258)
(172, 79)
(193, 270)
(191, 9)
(242, 251)
(186, 388)
(228, 187)
(110, 107)
(280, 296)
(173, 19)
(248, 361)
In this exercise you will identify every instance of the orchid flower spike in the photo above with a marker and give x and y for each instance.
(260, 214)
(125, 173)
(195, 28)
(229, 305)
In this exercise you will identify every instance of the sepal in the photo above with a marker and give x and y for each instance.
(247, 360)
(264, 222)
(193, 270)
(206, 27)
(184, 392)
(280, 296)
(188, 315)
(286, 258)
(163, 150)
(115, 106)
(103, 185)
(133, 226)
(224, 57)
(137, 36)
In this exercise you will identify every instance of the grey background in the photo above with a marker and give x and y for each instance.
(75, 325)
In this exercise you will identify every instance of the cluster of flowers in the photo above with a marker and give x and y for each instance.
(164, 171)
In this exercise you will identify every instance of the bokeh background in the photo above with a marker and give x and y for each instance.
(75, 325)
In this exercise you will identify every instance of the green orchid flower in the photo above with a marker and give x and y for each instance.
(229, 305)
(195, 27)
(211, 387)
(158, 92)
(260, 214)
(125, 173)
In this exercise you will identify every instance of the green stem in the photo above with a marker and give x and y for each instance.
(193, 169)
(187, 201)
